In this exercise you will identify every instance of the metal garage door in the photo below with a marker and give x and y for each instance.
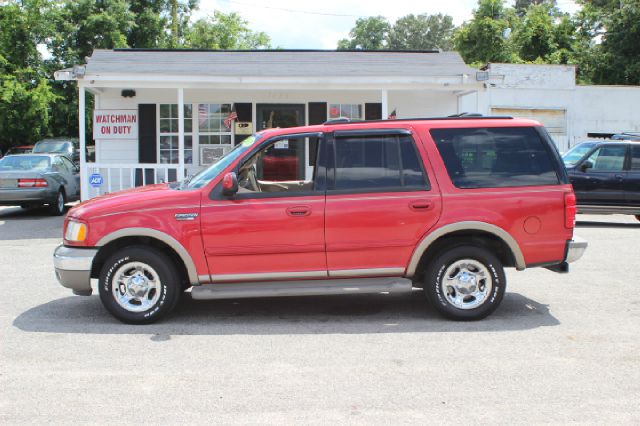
(555, 120)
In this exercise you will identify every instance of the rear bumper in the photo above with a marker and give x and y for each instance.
(73, 268)
(10, 197)
(575, 249)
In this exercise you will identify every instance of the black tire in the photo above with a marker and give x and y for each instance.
(466, 263)
(155, 262)
(56, 207)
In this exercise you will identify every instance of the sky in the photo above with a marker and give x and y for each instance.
(297, 24)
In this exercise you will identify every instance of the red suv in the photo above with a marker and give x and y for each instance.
(377, 206)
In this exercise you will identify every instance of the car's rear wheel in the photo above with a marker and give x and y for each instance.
(56, 207)
(139, 285)
(638, 217)
(465, 283)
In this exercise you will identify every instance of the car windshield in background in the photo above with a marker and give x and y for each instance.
(576, 153)
(55, 147)
(25, 162)
(210, 173)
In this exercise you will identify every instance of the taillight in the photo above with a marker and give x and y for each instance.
(570, 210)
(32, 183)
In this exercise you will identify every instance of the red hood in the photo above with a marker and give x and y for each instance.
(135, 199)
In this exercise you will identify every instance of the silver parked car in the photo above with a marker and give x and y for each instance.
(33, 180)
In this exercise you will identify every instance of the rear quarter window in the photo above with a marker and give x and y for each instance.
(496, 157)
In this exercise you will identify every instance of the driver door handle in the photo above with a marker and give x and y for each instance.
(299, 211)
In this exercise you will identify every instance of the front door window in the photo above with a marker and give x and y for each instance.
(279, 168)
(609, 158)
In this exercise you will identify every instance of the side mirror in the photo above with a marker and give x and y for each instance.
(229, 184)
(586, 166)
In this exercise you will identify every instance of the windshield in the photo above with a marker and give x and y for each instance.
(576, 153)
(210, 173)
(57, 147)
(25, 162)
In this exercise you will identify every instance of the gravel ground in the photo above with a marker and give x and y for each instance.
(560, 349)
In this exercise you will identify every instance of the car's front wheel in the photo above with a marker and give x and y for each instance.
(465, 283)
(139, 285)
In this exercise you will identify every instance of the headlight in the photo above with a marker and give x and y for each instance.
(76, 231)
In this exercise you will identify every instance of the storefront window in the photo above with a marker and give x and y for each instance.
(169, 151)
(214, 137)
(352, 111)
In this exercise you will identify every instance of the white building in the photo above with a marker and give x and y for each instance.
(159, 114)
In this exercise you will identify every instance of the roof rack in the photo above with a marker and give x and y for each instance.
(461, 116)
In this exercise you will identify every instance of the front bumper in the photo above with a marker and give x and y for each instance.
(73, 268)
(575, 249)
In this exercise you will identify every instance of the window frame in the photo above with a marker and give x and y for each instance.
(331, 162)
(340, 104)
(160, 134)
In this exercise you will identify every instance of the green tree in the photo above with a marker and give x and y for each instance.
(614, 31)
(486, 37)
(521, 6)
(224, 31)
(535, 37)
(368, 34)
(422, 32)
(25, 92)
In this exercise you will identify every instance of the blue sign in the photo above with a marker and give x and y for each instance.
(96, 180)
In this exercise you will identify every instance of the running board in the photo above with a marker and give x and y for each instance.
(301, 288)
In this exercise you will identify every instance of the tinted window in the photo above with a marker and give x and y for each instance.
(608, 158)
(635, 157)
(495, 157)
(376, 162)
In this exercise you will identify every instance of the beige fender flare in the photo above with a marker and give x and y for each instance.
(158, 235)
(466, 226)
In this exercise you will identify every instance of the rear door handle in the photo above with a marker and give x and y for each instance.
(421, 205)
(619, 177)
(299, 211)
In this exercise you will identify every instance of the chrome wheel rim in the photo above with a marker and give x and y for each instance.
(60, 202)
(466, 284)
(136, 286)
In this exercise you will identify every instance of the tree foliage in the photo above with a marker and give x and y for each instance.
(25, 93)
(422, 32)
(368, 34)
(613, 27)
(411, 32)
(486, 38)
(33, 105)
(224, 31)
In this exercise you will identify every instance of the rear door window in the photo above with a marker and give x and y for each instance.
(635, 158)
(496, 157)
(377, 163)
